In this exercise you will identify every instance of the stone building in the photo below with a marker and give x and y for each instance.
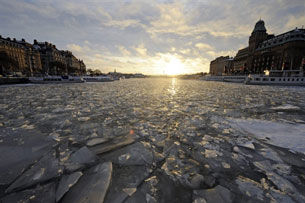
(18, 57)
(21, 57)
(269, 52)
(240, 61)
(221, 65)
(52, 60)
(58, 62)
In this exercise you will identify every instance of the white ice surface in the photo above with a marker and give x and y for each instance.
(285, 135)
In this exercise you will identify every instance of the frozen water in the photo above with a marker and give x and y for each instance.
(218, 194)
(281, 134)
(176, 131)
(46, 168)
(66, 182)
(45, 194)
(92, 186)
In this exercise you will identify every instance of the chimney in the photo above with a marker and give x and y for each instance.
(23, 40)
(14, 39)
(9, 39)
(35, 41)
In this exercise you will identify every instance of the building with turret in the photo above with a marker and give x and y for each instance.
(269, 52)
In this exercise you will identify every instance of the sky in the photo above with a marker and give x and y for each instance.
(147, 36)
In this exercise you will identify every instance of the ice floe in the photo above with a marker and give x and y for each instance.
(280, 134)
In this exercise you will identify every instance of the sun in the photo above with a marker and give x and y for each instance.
(174, 67)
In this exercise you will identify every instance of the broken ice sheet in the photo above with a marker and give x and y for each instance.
(218, 194)
(277, 132)
(66, 182)
(45, 194)
(46, 168)
(125, 181)
(92, 186)
(134, 154)
(250, 188)
(80, 158)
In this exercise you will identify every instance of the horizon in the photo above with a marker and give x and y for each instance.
(152, 38)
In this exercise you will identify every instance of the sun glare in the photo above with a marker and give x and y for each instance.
(174, 67)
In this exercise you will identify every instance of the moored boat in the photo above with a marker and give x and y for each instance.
(212, 78)
(56, 79)
(97, 79)
(234, 78)
(277, 77)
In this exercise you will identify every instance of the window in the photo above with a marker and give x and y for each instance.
(288, 79)
(292, 79)
(284, 79)
(280, 79)
(265, 79)
(297, 79)
(257, 79)
(272, 79)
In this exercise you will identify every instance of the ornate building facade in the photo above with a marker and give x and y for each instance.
(18, 56)
(37, 58)
(269, 52)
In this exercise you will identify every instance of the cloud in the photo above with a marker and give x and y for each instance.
(203, 46)
(143, 36)
(141, 50)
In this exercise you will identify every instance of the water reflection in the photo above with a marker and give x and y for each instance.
(172, 89)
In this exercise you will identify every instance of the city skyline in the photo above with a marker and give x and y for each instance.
(157, 37)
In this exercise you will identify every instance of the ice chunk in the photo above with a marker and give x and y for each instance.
(250, 188)
(47, 168)
(129, 191)
(83, 156)
(125, 180)
(134, 154)
(281, 134)
(286, 107)
(66, 183)
(218, 194)
(92, 186)
(45, 194)
(112, 144)
(96, 141)
(18, 158)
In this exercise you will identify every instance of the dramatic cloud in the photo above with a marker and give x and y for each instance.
(152, 37)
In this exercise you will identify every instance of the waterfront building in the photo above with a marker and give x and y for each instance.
(240, 61)
(269, 52)
(35, 59)
(221, 65)
(18, 57)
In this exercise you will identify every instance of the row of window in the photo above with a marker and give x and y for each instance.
(10, 44)
(280, 79)
(281, 40)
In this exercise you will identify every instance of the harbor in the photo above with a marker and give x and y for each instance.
(130, 101)
(152, 140)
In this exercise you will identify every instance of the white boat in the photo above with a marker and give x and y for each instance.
(56, 79)
(97, 78)
(277, 77)
(234, 78)
(212, 78)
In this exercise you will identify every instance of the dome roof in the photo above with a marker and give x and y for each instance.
(259, 27)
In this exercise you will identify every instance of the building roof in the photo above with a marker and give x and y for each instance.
(259, 27)
(292, 35)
